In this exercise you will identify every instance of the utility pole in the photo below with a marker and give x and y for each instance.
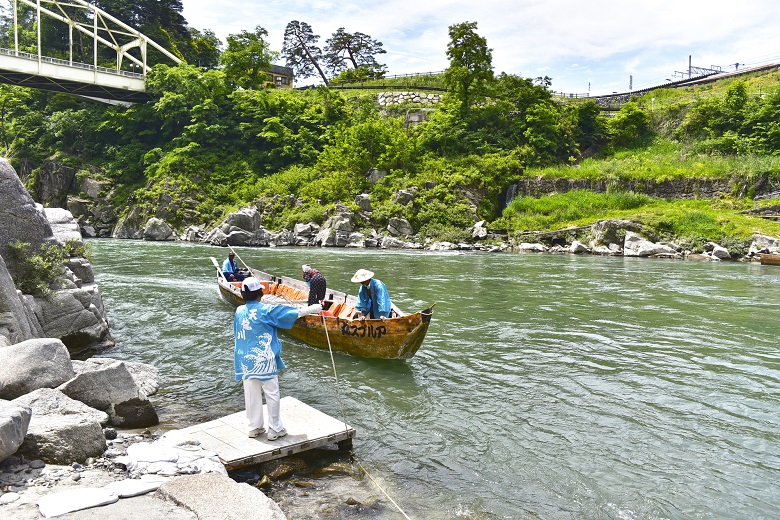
(689, 66)
(630, 83)
(736, 65)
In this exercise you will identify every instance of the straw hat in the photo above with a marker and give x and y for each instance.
(362, 275)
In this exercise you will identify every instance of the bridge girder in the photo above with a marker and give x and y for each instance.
(105, 31)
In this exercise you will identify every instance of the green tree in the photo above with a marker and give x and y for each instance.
(248, 58)
(301, 52)
(13, 106)
(471, 64)
(356, 50)
(629, 125)
(204, 49)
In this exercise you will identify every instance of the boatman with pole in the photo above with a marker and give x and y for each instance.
(230, 269)
(257, 356)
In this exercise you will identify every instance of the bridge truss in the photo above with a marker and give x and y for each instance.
(117, 83)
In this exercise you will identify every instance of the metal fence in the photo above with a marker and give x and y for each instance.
(69, 63)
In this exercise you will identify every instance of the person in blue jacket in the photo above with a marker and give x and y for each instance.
(257, 356)
(230, 269)
(373, 298)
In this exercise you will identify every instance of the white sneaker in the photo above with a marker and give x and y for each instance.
(257, 431)
(273, 434)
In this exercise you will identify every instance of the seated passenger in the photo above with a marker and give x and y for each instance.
(373, 298)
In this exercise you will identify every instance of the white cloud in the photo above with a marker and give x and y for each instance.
(601, 41)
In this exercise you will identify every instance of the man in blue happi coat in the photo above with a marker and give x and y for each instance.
(373, 298)
(230, 269)
(257, 357)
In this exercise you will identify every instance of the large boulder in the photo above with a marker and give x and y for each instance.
(157, 229)
(53, 182)
(61, 430)
(20, 217)
(399, 226)
(147, 377)
(214, 495)
(16, 325)
(63, 226)
(77, 317)
(112, 389)
(129, 226)
(14, 421)
(241, 228)
(33, 364)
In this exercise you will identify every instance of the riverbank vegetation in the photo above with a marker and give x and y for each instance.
(210, 142)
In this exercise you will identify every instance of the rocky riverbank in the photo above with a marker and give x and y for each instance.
(70, 444)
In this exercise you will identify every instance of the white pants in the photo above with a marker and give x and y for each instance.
(253, 401)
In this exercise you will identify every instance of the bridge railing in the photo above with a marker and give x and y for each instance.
(75, 64)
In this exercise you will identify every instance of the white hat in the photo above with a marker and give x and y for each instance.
(251, 284)
(306, 268)
(362, 275)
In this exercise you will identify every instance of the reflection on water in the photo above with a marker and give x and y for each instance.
(553, 387)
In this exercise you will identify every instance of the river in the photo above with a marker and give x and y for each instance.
(548, 387)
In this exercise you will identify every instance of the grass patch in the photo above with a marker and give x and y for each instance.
(663, 160)
(691, 220)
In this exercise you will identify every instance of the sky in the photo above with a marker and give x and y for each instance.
(587, 47)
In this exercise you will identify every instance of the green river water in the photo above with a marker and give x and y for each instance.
(548, 387)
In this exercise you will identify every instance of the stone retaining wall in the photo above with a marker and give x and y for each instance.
(417, 98)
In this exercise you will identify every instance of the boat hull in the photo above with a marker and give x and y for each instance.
(398, 337)
(770, 259)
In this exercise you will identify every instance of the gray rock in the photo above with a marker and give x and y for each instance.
(392, 243)
(479, 230)
(443, 246)
(110, 387)
(61, 429)
(635, 245)
(403, 197)
(534, 247)
(146, 376)
(77, 317)
(246, 218)
(363, 201)
(82, 269)
(20, 217)
(63, 225)
(306, 230)
(764, 243)
(34, 364)
(578, 247)
(158, 230)
(283, 238)
(720, 252)
(16, 325)
(356, 240)
(375, 176)
(14, 420)
(213, 496)
(129, 226)
(399, 226)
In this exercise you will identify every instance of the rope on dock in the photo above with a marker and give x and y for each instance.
(346, 426)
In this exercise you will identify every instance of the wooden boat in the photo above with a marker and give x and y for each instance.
(396, 337)
(770, 258)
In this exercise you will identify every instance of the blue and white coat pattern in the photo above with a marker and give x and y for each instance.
(258, 351)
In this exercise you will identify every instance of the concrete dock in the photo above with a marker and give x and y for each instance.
(307, 428)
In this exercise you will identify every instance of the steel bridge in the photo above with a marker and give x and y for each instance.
(123, 82)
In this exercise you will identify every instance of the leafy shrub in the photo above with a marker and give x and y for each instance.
(37, 270)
